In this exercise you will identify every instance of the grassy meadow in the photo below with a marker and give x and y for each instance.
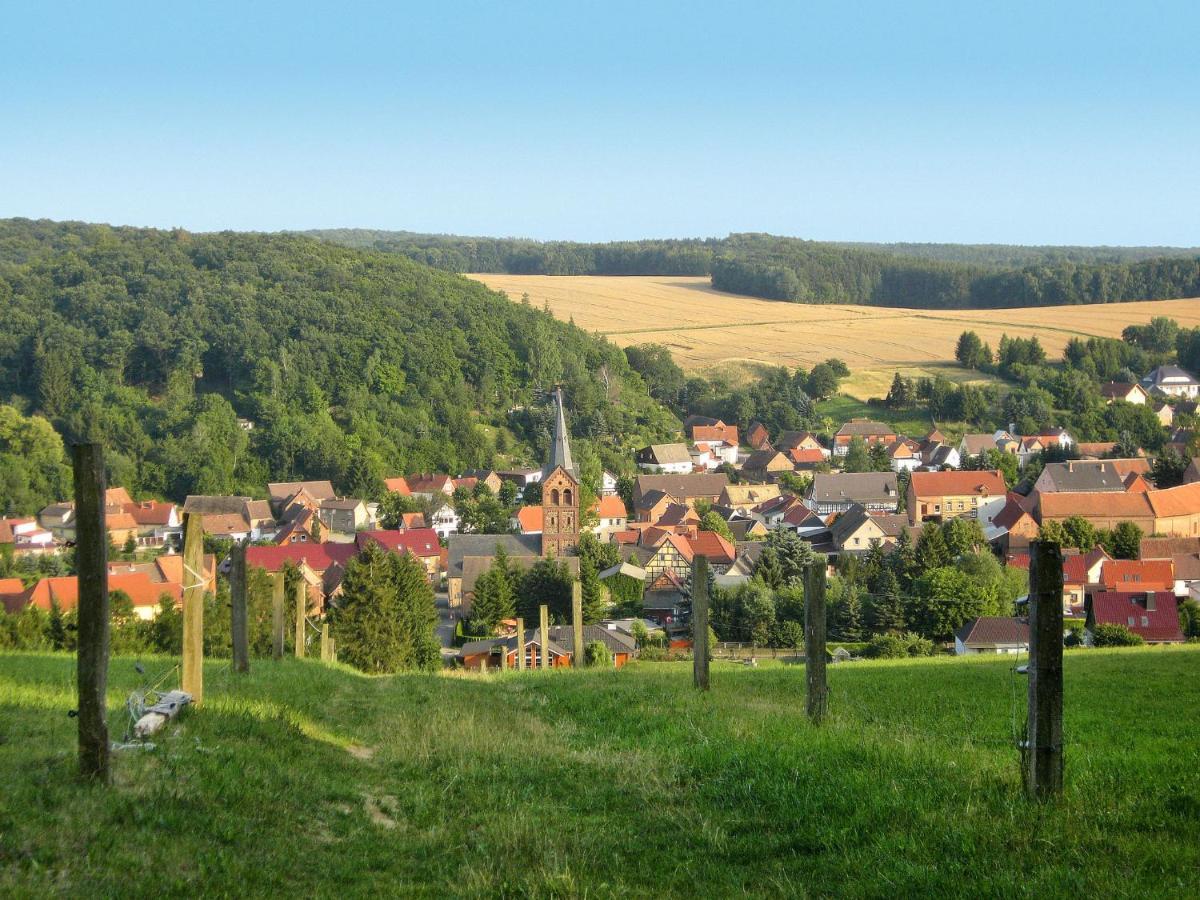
(323, 782)
(709, 330)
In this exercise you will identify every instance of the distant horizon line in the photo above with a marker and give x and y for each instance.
(628, 240)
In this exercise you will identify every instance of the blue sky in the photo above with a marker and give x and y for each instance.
(973, 122)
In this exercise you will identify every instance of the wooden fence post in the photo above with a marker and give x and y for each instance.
(193, 607)
(577, 659)
(814, 640)
(277, 589)
(301, 620)
(237, 612)
(520, 644)
(503, 658)
(700, 622)
(326, 644)
(91, 562)
(544, 612)
(1044, 738)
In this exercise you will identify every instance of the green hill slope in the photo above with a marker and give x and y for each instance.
(352, 365)
(317, 781)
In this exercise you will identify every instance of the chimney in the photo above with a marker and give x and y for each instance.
(1151, 604)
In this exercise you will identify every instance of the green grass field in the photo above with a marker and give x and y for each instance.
(321, 782)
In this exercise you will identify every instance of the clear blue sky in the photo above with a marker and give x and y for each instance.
(1049, 122)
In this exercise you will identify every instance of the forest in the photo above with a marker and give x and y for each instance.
(928, 276)
(214, 363)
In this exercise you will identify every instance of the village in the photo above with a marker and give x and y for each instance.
(724, 492)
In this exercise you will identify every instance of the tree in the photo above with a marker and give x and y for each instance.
(931, 550)
(822, 382)
(1054, 532)
(592, 599)
(386, 619)
(712, 521)
(595, 653)
(848, 622)
(857, 459)
(1125, 541)
(493, 601)
(969, 351)
(1168, 468)
(1079, 533)
(886, 612)
(547, 581)
(1189, 618)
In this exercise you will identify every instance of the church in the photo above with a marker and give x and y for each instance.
(470, 555)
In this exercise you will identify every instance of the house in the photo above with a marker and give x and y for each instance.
(1095, 450)
(475, 566)
(800, 440)
(664, 599)
(444, 520)
(1172, 381)
(1124, 391)
(766, 465)
(771, 512)
(744, 498)
(855, 530)
(807, 460)
(608, 484)
(168, 569)
(281, 493)
(665, 458)
(232, 517)
(1103, 509)
(870, 432)
(397, 485)
(1191, 474)
(677, 517)
(1165, 413)
(1176, 510)
(1014, 527)
(973, 446)
(429, 485)
(343, 517)
(653, 505)
(1091, 475)
(992, 634)
(940, 456)
(672, 553)
(937, 496)
(420, 543)
(501, 652)
(611, 516)
(1131, 575)
(1081, 572)
(1184, 554)
(484, 476)
(682, 488)
(59, 520)
(26, 537)
(711, 431)
(904, 455)
(483, 546)
(1055, 439)
(528, 520)
(1152, 615)
(757, 436)
(719, 553)
(621, 647)
(837, 492)
(321, 565)
(63, 592)
(1028, 448)
(12, 595)
(746, 529)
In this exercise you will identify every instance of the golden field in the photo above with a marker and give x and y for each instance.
(713, 332)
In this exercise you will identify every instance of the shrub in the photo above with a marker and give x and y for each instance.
(895, 645)
(596, 654)
(1115, 636)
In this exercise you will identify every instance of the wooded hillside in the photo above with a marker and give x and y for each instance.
(351, 365)
(935, 276)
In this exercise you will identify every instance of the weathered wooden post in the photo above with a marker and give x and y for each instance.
(503, 658)
(301, 593)
(277, 591)
(577, 623)
(544, 612)
(700, 622)
(1044, 739)
(520, 644)
(237, 612)
(193, 607)
(814, 640)
(91, 562)
(326, 643)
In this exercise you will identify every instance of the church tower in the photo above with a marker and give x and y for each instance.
(560, 491)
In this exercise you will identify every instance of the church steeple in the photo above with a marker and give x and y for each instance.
(560, 448)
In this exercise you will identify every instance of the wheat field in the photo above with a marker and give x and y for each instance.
(713, 332)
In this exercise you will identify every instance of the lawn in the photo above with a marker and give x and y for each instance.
(319, 781)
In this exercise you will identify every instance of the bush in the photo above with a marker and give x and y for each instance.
(895, 645)
(596, 654)
(1115, 636)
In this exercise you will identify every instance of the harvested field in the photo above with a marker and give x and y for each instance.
(708, 330)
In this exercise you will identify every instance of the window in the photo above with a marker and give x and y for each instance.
(567, 496)
(1145, 621)
(554, 497)
(1131, 620)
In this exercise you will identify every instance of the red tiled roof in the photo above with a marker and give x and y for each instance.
(319, 557)
(150, 512)
(413, 520)
(1077, 565)
(713, 547)
(1177, 501)
(1094, 504)
(955, 484)
(422, 542)
(629, 536)
(429, 484)
(798, 455)
(397, 485)
(65, 590)
(1128, 609)
(719, 432)
(994, 630)
(1138, 575)
(611, 507)
(531, 519)
(12, 594)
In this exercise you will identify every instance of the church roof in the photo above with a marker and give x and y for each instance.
(560, 449)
